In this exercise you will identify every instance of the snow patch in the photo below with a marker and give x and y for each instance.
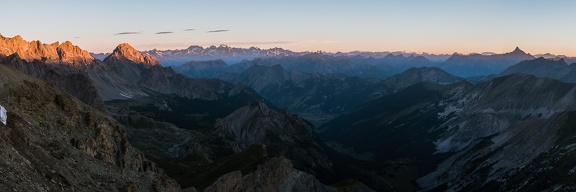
(449, 110)
(126, 95)
(3, 116)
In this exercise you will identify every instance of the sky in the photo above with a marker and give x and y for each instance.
(431, 26)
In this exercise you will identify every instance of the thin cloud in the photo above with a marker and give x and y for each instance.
(189, 29)
(164, 32)
(127, 33)
(218, 31)
(76, 37)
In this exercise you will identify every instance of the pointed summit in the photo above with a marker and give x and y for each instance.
(518, 51)
(518, 54)
(126, 53)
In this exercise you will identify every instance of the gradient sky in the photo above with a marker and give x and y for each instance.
(433, 26)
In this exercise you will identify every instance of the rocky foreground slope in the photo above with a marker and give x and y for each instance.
(53, 142)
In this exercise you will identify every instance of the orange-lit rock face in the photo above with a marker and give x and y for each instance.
(55, 53)
(126, 52)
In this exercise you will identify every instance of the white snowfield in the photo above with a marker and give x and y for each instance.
(3, 115)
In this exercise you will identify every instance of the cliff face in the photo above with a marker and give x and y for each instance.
(54, 142)
(54, 54)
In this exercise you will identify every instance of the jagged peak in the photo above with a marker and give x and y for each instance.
(124, 48)
(17, 37)
(518, 51)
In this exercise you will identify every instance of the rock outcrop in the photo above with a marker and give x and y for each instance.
(53, 142)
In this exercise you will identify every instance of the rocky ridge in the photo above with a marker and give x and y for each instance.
(53, 54)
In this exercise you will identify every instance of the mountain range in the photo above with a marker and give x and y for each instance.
(356, 63)
(230, 55)
(301, 121)
(132, 84)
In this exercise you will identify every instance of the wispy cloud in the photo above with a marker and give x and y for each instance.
(189, 29)
(127, 33)
(218, 31)
(164, 32)
(76, 37)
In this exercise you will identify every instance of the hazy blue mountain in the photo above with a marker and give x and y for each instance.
(202, 69)
(541, 67)
(478, 64)
(320, 97)
(394, 63)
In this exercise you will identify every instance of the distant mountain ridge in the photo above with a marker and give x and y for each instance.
(478, 64)
(557, 57)
(230, 55)
(542, 67)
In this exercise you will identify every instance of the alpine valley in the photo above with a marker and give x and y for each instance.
(236, 119)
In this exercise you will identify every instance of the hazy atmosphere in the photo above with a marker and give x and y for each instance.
(412, 26)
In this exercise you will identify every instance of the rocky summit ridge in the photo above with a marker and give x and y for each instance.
(125, 52)
(54, 53)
